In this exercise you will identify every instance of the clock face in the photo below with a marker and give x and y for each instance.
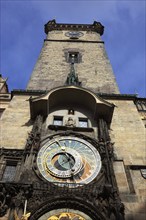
(69, 160)
(74, 34)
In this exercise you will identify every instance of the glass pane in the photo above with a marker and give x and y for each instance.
(58, 121)
(73, 57)
(1, 112)
(143, 173)
(139, 106)
(9, 173)
(144, 105)
(83, 123)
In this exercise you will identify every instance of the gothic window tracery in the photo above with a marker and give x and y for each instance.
(9, 171)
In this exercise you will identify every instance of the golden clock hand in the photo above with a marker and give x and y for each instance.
(62, 147)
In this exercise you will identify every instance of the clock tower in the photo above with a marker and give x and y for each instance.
(71, 157)
(75, 153)
(80, 45)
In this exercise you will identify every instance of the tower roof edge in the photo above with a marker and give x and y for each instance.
(52, 25)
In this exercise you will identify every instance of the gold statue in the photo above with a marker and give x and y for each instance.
(15, 215)
(53, 217)
(24, 216)
(66, 216)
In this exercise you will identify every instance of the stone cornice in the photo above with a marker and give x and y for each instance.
(75, 41)
(96, 27)
(28, 92)
(118, 96)
(102, 95)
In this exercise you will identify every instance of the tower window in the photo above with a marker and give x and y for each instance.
(10, 171)
(58, 120)
(143, 173)
(73, 57)
(1, 111)
(141, 105)
(83, 122)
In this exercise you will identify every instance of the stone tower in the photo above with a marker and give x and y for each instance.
(72, 146)
(90, 60)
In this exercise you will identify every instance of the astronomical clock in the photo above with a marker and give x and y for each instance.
(69, 160)
(75, 177)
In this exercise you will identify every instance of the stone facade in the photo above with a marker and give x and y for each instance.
(93, 111)
(128, 132)
(16, 123)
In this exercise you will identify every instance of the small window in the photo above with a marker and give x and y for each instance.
(58, 120)
(144, 105)
(10, 171)
(73, 57)
(143, 173)
(141, 105)
(1, 111)
(83, 122)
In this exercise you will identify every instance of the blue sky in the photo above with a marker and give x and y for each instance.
(22, 34)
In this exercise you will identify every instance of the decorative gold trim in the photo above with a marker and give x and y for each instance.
(66, 216)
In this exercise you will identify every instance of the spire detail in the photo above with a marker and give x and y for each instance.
(72, 78)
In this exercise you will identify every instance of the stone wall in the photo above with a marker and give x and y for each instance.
(15, 123)
(128, 133)
(127, 128)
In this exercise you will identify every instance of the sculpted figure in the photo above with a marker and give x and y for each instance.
(70, 122)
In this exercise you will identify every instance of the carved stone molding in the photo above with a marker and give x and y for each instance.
(67, 202)
(11, 153)
(34, 136)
